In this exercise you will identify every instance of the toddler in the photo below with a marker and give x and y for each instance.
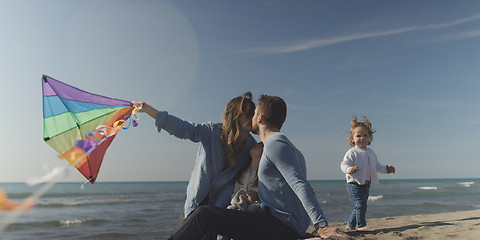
(360, 165)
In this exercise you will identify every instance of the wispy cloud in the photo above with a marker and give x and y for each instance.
(316, 43)
(475, 122)
(454, 36)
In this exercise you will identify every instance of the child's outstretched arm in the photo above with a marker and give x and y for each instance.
(390, 169)
(348, 165)
(353, 170)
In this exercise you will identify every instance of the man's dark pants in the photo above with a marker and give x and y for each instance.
(239, 225)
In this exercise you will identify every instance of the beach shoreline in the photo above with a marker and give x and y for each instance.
(448, 225)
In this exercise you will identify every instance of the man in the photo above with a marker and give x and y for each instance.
(288, 201)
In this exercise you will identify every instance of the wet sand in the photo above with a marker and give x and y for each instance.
(451, 225)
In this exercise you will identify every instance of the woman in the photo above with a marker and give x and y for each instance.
(223, 152)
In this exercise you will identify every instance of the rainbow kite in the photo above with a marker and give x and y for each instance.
(81, 125)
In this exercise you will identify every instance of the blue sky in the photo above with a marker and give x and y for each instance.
(412, 67)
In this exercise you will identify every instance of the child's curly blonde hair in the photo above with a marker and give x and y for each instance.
(365, 124)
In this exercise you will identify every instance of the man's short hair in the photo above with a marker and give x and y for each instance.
(274, 110)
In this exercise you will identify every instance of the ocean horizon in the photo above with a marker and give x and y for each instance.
(151, 209)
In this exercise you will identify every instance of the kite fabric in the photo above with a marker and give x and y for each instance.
(82, 125)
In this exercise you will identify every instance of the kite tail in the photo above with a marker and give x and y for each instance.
(49, 180)
(28, 203)
(52, 177)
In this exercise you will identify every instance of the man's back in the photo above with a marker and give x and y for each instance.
(283, 187)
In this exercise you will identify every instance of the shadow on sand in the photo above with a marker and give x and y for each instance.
(398, 230)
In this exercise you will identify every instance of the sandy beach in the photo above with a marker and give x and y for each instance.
(463, 225)
(451, 225)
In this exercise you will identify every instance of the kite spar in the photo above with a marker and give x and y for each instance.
(80, 125)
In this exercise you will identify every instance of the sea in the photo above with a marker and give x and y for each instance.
(150, 210)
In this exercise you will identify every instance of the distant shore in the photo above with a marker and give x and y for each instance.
(450, 225)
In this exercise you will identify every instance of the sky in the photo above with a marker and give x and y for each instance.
(411, 67)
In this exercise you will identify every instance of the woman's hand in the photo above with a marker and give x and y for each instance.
(252, 196)
(151, 111)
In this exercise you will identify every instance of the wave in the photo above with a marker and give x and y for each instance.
(73, 202)
(374, 198)
(466, 184)
(54, 223)
(116, 235)
(428, 188)
(70, 223)
(23, 195)
(104, 200)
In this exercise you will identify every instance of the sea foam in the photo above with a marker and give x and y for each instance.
(69, 223)
(466, 184)
(428, 188)
(374, 198)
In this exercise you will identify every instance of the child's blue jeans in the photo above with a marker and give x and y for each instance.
(359, 194)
